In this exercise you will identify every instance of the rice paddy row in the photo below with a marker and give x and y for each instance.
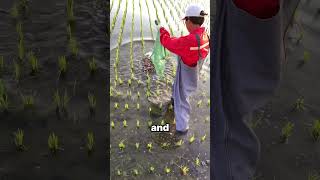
(114, 19)
(54, 145)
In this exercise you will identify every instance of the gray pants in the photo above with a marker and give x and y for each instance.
(185, 84)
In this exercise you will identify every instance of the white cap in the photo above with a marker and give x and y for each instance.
(193, 10)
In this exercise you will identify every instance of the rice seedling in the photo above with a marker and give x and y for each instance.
(199, 103)
(315, 130)
(21, 49)
(165, 145)
(286, 132)
(137, 146)
(92, 102)
(116, 105)
(119, 173)
(148, 93)
(122, 145)
(208, 103)
(33, 62)
(138, 106)
(150, 123)
(70, 13)
(138, 94)
(18, 140)
(135, 172)
(126, 106)
(27, 101)
(19, 30)
(138, 124)
(129, 82)
(299, 105)
(120, 81)
(4, 103)
(92, 65)
(191, 139)
(129, 93)
(14, 11)
(197, 161)
(53, 143)
(17, 71)
(151, 169)
(73, 46)
(167, 170)
(306, 56)
(23, 4)
(184, 170)
(90, 142)
(150, 109)
(203, 138)
(124, 123)
(149, 146)
(62, 62)
(179, 143)
(60, 101)
(112, 124)
(162, 123)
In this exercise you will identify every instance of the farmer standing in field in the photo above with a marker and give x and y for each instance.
(192, 50)
(247, 58)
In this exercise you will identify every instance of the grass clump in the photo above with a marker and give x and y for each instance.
(18, 140)
(53, 143)
(286, 132)
(315, 130)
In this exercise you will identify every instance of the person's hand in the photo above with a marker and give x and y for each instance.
(162, 30)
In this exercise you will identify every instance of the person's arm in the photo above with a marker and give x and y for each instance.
(259, 8)
(175, 45)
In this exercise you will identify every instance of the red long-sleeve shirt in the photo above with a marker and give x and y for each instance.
(186, 46)
(181, 46)
(259, 8)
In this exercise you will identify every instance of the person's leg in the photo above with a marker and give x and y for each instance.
(236, 149)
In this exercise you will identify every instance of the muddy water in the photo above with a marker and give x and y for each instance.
(164, 152)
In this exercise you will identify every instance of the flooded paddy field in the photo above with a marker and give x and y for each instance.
(295, 110)
(53, 89)
(139, 99)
